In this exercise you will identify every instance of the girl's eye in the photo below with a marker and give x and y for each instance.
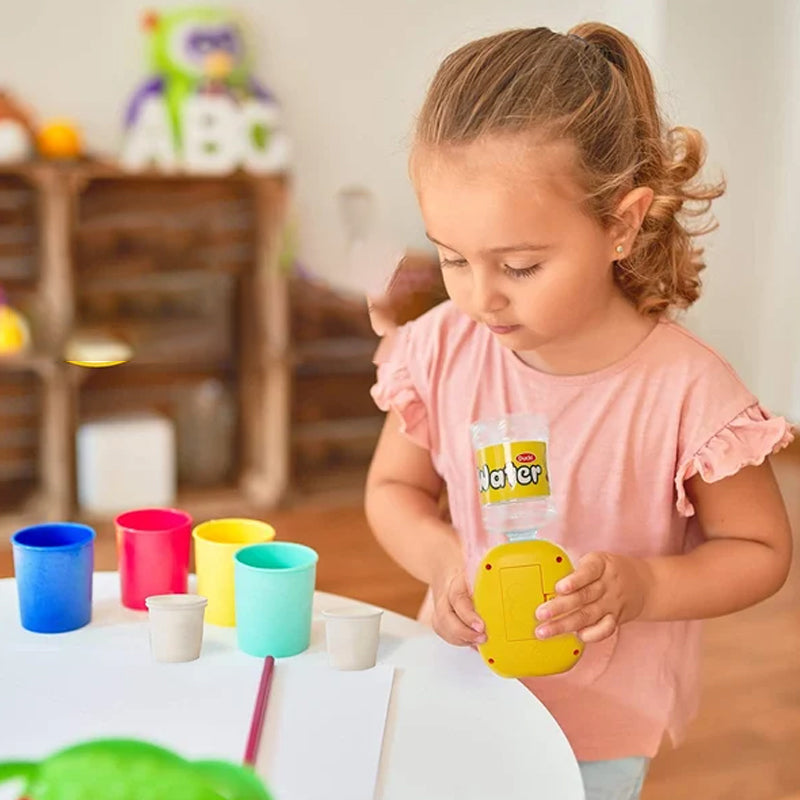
(513, 272)
(526, 272)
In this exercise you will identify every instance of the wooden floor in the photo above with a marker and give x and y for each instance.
(746, 743)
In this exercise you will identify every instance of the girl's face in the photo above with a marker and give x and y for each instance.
(518, 252)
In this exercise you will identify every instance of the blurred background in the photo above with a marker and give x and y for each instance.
(230, 280)
(351, 76)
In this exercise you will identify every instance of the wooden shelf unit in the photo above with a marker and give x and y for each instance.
(335, 422)
(186, 269)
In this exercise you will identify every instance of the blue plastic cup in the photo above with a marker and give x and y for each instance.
(53, 565)
(274, 595)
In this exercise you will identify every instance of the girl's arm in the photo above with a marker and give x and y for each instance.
(401, 502)
(744, 559)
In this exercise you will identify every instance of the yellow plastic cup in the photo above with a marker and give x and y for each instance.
(215, 544)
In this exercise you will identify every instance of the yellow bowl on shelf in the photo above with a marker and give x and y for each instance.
(97, 351)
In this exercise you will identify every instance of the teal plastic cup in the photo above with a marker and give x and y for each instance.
(274, 593)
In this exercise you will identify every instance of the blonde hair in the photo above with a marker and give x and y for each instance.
(593, 88)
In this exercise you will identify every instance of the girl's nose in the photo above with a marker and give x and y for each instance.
(486, 295)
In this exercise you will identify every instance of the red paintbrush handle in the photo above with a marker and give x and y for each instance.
(259, 712)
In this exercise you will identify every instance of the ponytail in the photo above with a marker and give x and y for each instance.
(663, 268)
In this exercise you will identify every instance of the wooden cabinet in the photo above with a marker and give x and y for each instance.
(184, 269)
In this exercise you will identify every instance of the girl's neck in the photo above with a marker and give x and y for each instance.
(605, 338)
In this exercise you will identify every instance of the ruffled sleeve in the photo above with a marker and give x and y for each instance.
(746, 440)
(396, 389)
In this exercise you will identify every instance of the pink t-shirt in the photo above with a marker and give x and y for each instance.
(622, 442)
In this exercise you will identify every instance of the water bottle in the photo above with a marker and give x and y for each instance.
(513, 476)
(516, 577)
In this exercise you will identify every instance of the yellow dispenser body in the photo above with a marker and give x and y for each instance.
(513, 580)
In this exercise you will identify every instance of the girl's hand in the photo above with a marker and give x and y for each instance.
(604, 591)
(454, 615)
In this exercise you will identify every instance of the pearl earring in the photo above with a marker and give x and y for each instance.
(620, 249)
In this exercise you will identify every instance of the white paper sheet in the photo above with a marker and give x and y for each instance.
(322, 737)
(53, 699)
(324, 732)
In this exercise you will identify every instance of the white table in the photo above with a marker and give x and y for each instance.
(454, 730)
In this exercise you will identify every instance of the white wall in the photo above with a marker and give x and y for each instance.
(351, 75)
(779, 343)
(734, 73)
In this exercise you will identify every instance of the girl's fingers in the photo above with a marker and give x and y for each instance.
(584, 617)
(465, 610)
(564, 604)
(599, 631)
(590, 568)
(448, 625)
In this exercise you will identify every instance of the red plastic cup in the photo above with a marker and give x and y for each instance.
(153, 552)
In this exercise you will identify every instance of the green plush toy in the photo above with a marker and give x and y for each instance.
(200, 107)
(126, 769)
(195, 50)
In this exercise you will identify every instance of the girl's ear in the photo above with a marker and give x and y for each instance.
(630, 214)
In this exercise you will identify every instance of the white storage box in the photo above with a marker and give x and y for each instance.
(126, 462)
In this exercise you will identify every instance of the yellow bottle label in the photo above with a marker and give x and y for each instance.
(512, 471)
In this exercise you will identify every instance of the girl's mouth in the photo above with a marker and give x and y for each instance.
(503, 329)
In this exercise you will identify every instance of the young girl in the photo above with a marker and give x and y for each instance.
(559, 205)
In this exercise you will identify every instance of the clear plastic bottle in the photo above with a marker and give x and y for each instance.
(513, 476)
(206, 434)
